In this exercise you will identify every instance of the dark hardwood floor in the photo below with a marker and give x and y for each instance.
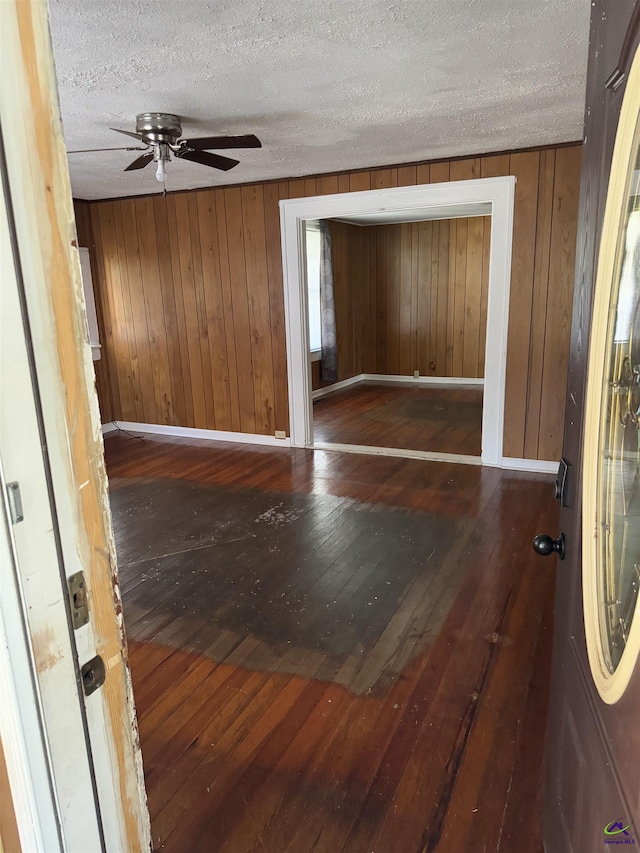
(334, 652)
(442, 420)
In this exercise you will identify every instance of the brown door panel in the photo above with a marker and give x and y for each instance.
(585, 793)
(593, 749)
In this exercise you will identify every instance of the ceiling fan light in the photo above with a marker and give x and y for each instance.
(160, 171)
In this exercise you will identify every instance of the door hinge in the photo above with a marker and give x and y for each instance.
(15, 502)
(78, 600)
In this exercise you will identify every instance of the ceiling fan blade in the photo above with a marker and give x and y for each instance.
(127, 133)
(140, 162)
(207, 159)
(91, 150)
(219, 142)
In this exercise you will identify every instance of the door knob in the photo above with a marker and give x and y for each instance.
(545, 545)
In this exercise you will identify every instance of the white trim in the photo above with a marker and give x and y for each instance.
(337, 386)
(295, 212)
(190, 432)
(426, 455)
(89, 303)
(537, 466)
(437, 381)
(384, 379)
(315, 355)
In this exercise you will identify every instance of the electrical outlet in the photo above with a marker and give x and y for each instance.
(280, 433)
(416, 374)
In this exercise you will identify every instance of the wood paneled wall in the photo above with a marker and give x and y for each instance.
(412, 297)
(191, 300)
(355, 299)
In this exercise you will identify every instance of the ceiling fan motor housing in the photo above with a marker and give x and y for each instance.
(159, 127)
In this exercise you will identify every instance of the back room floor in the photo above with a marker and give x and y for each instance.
(424, 418)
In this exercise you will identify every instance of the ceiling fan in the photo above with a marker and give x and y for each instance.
(160, 135)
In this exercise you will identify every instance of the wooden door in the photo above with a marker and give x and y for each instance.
(593, 750)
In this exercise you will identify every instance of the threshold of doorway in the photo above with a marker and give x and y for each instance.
(403, 453)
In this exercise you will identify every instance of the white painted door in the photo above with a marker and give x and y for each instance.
(73, 756)
(33, 596)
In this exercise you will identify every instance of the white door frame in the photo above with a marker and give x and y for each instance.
(499, 192)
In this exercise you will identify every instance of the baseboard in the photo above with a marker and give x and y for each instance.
(425, 455)
(440, 381)
(190, 432)
(536, 466)
(384, 379)
(337, 386)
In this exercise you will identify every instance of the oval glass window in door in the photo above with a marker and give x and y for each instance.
(611, 492)
(618, 485)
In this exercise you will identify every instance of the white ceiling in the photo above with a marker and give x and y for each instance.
(327, 85)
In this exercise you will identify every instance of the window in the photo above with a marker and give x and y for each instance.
(89, 300)
(313, 285)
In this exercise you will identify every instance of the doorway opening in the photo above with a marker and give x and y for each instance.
(399, 365)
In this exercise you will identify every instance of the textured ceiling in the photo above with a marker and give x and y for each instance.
(327, 85)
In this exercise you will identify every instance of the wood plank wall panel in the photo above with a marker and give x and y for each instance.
(352, 290)
(272, 195)
(341, 273)
(173, 316)
(443, 284)
(544, 245)
(403, 304)
(525, 167)
(555, 354)
(195, 335)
